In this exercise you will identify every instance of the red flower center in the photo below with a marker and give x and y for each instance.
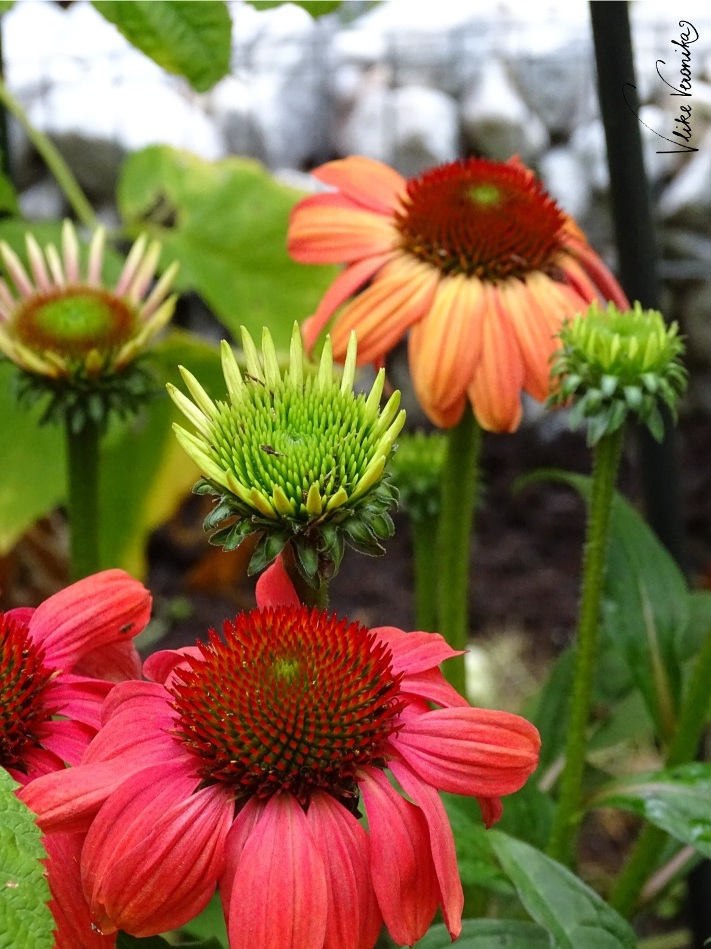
(24, 681)
(291, 699)
(74, 321)
(480, 218)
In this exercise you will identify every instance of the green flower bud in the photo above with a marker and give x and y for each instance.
(612, 364)
(416, 471)
(293, 456)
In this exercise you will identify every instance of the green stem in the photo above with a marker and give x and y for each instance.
(604, 475)
(52, 159)
(310, 596)
(460, 475)
(682, 748)
(423, 529)
(83, 497)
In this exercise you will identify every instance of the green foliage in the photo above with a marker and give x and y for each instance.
(488, 934)
(226, 223)
(8, 196)
(124, 941)
(25, 919)
(559, 901)
(315, 7)
(187, 38)
(678, 801)
(210, 923)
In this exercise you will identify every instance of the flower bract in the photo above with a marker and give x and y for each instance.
(248, 761)
(614, 363)
(294, 456)
(73, 336)
(473, 260)
(57, 665)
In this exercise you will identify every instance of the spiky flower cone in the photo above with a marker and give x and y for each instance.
(615, 363)
(295, 457)
(76, 339)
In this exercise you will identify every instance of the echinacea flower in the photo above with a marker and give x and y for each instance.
(245, 762)
(67, 330)
(614, 363)
(294, 456)
(473, 258)
(57, 665)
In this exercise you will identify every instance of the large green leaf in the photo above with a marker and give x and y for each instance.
(33, 478)
(315, 7)
(558, 900)
(488, 934)
(184, 37)
(477, 865)
(226, 223)
(25, 919)
(678, 801)
(145, 473)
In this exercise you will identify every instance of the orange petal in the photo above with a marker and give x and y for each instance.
(336, 235)
(535, 322)
(607, 286)
(400, 295)
(445, 347)
(365, 180)
(345, 285)
(495, 390)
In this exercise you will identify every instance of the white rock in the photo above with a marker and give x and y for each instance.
(496, 122)
(231, 104)
(43, 201)
(411, 128)
(587, 144)
(566, 180)
(687, 200)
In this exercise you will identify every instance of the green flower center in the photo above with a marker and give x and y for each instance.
(490, 220)
(279, 436)
(290, 699)
(72, 322)
(24, 681)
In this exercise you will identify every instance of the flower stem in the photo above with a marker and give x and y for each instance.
(682, 748)
(83, 497)
(308, 595)
(52, 159)
(423, 529)
(605, 464)
(460, 475)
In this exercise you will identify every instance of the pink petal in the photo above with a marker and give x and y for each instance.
(69, 908)
(441, 843)
(113, 662)
(279, 889)
(415, 652)
(235, 841)
(403, 873)
(433, 686)
(67, 739)
(108, 607)
(79, 698)
(354, 919)
(365, 180)
(331, 234)
(472, 751)
(274, 587)
(161, 666)
(491, 810)
(154, 852)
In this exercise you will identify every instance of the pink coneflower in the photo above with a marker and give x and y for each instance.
(57, 665)
(246, 762)
(473, 258)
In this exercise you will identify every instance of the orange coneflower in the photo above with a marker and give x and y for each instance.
(473, 258)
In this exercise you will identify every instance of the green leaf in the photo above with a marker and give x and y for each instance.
(226, 222)
(8, 195)
(315, 7)
(6, 5)
(184, 37)
(558, 900)
(209, 924)
(477, 864)
(678, 801)
(488, 934)
(25, 919)
(33, 478)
